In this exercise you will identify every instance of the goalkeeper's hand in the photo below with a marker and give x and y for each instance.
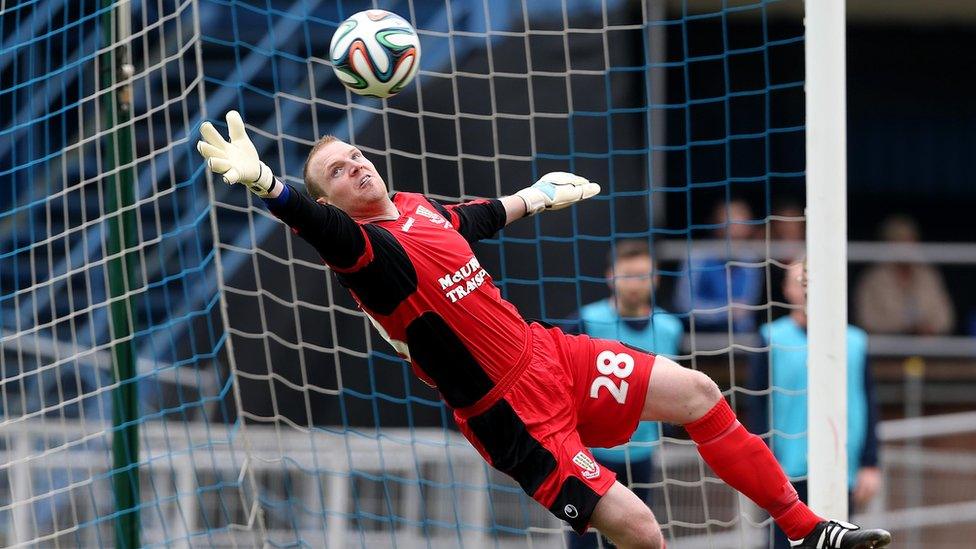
(236, 161)
(556, 190)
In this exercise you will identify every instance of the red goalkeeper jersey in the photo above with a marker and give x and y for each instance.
(418, 280)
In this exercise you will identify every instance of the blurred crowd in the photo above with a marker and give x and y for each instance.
(725, 286)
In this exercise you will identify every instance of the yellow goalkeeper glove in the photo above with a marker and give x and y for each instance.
(236, 161)
(556, 190)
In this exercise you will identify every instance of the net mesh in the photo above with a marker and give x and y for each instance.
(270, 410)
(58, 375)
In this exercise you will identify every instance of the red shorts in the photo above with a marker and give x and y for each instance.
(575, 392)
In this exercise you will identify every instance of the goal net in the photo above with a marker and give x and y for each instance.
(179, 369)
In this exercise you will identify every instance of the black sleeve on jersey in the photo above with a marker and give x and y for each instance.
(337, 238)
(476, 220)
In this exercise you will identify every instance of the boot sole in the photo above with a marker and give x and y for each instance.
(882, 541)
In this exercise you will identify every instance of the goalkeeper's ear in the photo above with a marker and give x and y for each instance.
(314, 189)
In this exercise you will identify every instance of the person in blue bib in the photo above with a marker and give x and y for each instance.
(783, 368)
(628, 316)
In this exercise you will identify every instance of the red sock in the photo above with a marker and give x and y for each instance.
(743, 461)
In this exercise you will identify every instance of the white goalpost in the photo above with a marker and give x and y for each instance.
(826, 189)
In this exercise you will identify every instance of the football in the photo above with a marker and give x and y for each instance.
(375, 53)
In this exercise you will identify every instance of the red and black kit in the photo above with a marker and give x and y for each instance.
(530, 399)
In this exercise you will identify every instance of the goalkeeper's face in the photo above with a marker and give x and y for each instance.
(349, 180)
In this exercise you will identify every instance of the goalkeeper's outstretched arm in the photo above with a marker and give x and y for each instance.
(480, 219)
(336, 236)
(334, 233)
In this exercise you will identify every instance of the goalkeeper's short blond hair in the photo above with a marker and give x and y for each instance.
(316, 189)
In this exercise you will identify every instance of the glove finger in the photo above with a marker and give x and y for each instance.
(238, 134)
(558, 178)
(212, 136)
(207, 150)
(231, 176)
(219, 165)
(590, 189)
(235, 126)
(568, 194)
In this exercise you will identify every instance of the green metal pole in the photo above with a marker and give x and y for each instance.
(120, 197)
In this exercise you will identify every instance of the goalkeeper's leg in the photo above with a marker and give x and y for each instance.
(626, 520)
(690, 398)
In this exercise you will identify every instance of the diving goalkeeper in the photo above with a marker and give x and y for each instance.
(529, 398)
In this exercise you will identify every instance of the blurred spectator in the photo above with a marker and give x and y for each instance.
(783, 369)
(717, 281)
(787, 232)
(788, 229)
(628, 316)
(903, 298)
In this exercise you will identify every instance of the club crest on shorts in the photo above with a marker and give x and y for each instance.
(591, 469)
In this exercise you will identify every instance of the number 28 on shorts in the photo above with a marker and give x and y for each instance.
(615, 368)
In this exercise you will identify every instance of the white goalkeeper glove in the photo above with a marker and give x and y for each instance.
(556, 190)
(237, 161)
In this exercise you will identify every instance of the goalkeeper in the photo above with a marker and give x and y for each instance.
(530, 399)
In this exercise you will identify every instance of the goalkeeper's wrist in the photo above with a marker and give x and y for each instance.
(266, 183)
(534, 199)
(281, 199)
